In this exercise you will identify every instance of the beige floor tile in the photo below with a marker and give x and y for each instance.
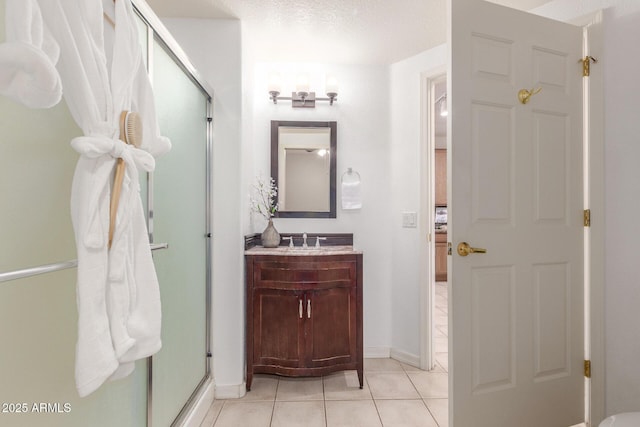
(440, 319)
(405, 413)
(353, 413)
(439, 408)
(410, 368)
(444, 330)
(236, 413)
(382, 365)
(430, 384)
(441, 299)
(438, 368)
(441, 344)
(443, 360)
(391, 385)
(294, 389)
(345, 386)
(299, 414)
(212, 413)
(404, 396)
(263, 387)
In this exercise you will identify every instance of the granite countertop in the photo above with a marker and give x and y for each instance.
(298, 251)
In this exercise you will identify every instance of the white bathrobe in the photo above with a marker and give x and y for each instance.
(117, 290)
(28, 57)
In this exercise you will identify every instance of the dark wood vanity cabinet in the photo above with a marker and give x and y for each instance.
(304, 315)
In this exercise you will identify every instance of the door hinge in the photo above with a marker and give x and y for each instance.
(586, 65)
(587, 368)
(587, 217)
(449, 248)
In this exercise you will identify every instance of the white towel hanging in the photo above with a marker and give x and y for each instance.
(351, 190)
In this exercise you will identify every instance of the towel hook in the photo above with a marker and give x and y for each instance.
(524, 95)
(350, 172)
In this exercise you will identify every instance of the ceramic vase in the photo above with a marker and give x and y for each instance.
(270, 236)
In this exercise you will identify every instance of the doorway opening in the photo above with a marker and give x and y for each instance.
(434, 301)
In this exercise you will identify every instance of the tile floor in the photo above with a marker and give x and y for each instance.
(394, 394)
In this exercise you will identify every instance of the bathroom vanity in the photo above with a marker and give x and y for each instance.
(304, 311)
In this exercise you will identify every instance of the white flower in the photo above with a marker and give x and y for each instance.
(265, 200)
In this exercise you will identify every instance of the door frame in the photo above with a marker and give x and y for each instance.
(594, 172)
(595, 234)
(427, 278)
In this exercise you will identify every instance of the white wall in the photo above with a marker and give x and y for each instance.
(405, 152)
(214, 48)
(242, 141)
(620, 63)
(378, 115)
(362, 115)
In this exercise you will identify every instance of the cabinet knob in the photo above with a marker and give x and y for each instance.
(308, 309)
(300, 308)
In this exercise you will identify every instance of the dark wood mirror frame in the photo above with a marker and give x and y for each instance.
(275, 125)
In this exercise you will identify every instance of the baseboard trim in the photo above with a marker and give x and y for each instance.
(377, 353)
(404, 357)
(232, 391)
(201, 407)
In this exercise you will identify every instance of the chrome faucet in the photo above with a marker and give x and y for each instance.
(318, 238)
(290, 239)
(304, 241)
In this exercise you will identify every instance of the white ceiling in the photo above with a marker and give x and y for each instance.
(339, 31)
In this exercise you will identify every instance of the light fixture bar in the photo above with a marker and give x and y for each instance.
(302, 99)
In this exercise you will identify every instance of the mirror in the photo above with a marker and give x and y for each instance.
(303, 165)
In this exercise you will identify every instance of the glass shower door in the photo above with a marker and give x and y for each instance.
(179, 218)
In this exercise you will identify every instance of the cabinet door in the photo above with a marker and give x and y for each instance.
(278, 316)
(330, 328)
(441, 261)
(441, 177)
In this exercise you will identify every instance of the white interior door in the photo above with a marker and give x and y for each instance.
(515, 175)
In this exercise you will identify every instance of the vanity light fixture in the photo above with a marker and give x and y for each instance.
(303, 97)
(442, 99)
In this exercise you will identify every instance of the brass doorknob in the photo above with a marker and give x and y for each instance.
(464, 249)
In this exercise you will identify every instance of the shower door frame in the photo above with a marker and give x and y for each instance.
(158, 32)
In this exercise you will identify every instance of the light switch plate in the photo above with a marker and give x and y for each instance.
(409, 219)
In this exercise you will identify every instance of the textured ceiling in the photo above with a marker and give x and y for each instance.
(341, 31)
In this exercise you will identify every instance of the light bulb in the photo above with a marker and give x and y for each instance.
(274, 82)
(331, 85)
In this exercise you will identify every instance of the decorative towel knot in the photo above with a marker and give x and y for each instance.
(117, 149)
(93, 147)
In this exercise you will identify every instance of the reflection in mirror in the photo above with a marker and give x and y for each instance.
(303, 160)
